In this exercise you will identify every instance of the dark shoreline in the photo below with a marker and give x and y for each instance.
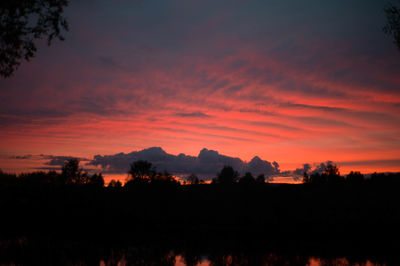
(356, 221)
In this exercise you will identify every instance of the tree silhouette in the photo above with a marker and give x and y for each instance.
(331, 170)
(115, 184)
(355, 178)
(162, 178)
(306, 177)
(260, 178)
(97, 180)
(192, 179)
(70, 172)
(393, 22)
(23, 21)
(332, 174)
(247, 179)
(227, 175)
(141, 171)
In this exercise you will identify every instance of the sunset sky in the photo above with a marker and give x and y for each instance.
(289, 81)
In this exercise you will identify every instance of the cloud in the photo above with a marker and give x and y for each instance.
(207, 164)
(193, 114)
(371, 162)
(22, 157)
(60, 160)
(52, 160)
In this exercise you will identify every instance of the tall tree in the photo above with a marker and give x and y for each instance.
(71, 173)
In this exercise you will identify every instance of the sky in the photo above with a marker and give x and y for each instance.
(296, 82)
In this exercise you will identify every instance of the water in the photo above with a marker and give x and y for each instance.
(44, 251)
(230, 259)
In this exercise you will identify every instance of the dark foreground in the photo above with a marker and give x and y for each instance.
(256, 224)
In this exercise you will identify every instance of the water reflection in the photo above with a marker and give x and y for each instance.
(270, 259)
(23, 252)
(234, 259)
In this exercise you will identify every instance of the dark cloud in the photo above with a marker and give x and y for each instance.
(371, 162)
(221, 84)
(206, 164)
(315, 107)
(300, 171)
(21, 157)
(60, 160)
(193, 114)
(52, 160)
(234, 88)
(57, 168)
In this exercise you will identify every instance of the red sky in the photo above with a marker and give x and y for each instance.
(289, 82)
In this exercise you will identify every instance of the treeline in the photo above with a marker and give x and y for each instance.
(142, 172)
(70, 174)
(340, 211)
(331, 176)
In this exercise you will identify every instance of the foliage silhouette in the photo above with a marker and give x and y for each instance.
(141, 172)
(260, 179)
(247, 179)
(330, 175)
(114, 184)
(192, 179)
(306, 178)
(96, 179)
(392, 26)
(23, 21)
(163, 178)
(355, 178)
(227, 175)
(71, 173)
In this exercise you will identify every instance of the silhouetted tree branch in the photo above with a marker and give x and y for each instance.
(393, 22)
(23, 21)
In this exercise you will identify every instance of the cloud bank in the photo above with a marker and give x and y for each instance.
(207, 164)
